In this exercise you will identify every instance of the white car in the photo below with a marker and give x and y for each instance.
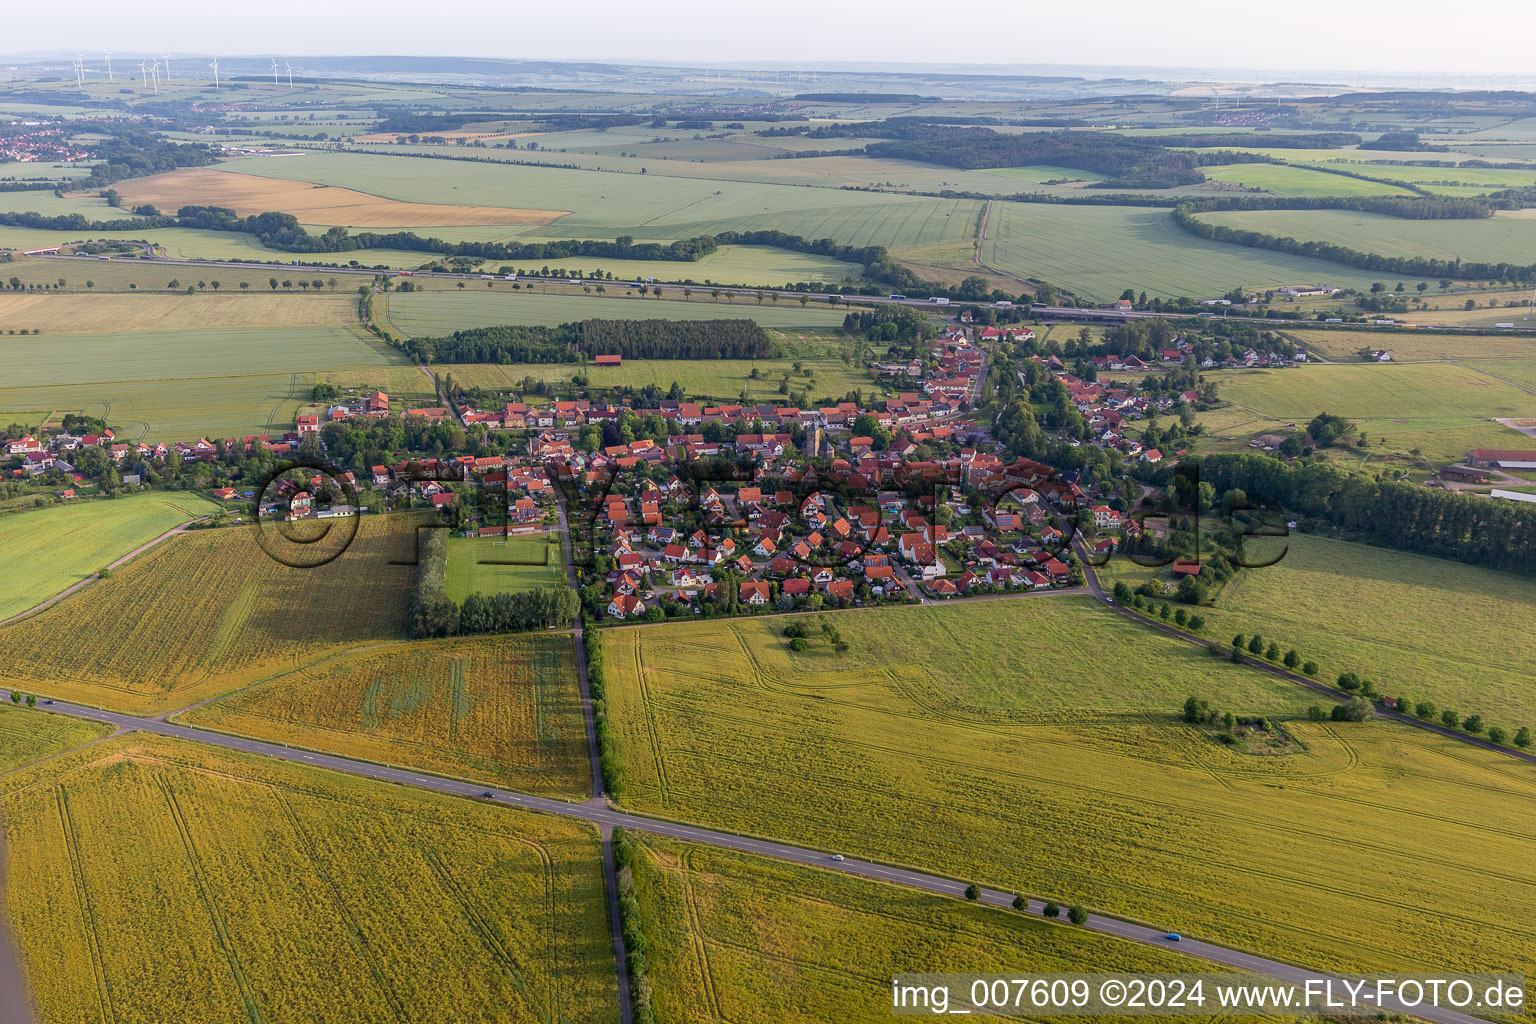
(837, 856)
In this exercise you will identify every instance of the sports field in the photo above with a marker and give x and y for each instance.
(1099, 251)
(47, 550)
(1439, 408)
(207, 612)
(1127, 809)
(498, 709)
(155, 880)
(434, 313)
(760, 941)
(491, 565)
(1507, 236)
(1301, 182)
(27, 735)
(646, 206)
(1432, 628)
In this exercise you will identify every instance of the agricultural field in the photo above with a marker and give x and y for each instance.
(1099, 251)
(1441, 409)
(491, 565)
(1507, 236)
(127, 274)
(173, 311)
(287, 893)
(747, 265)
(754, 940)
(27, 735)
(320, 204)
(1125, 809)
(722, 379)
(648, 207)
(208, 612)
(436, 313)
(1517, 371)
(503, 710)
(1387, 615)
(1300, 182)
(48, 550)
(1344, 345)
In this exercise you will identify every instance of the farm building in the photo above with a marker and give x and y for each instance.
(1502, 458)
(609, 360)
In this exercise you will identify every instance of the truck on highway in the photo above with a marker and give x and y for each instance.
(898, 298)
(941, 302)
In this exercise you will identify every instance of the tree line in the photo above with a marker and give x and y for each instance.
(430, 612)
(567, 343)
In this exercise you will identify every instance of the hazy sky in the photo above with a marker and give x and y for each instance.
(1413, 36)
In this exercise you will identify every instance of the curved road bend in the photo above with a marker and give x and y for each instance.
(605, 818)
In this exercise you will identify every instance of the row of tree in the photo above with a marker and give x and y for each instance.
(567, 343)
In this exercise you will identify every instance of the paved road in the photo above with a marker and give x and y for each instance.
(605, 818)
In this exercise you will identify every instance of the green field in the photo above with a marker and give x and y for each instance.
(1497, 239)
(150, 879)
(1300, 182)
(754, 940)
(436, 313)
(1439, 408)
(1041, 173)
(750, 265)
(722, 379)
(27, 736)
(499, 709)
(477, 566)
(1099, 251)
(646, 206)
(1344, 345)
(198, 244)
(1432, 628)
(47, 550)
(1120, 807)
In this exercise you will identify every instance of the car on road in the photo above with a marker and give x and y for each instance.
(1173, 937)
(48, 701)
(837, 856)
(488, 795)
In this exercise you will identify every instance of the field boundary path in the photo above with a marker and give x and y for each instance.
(93, 577)
(15, 1007)
(1092, 578)
(605, 818)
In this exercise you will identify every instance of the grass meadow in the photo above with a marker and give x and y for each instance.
(1301, 182)
(503, 710)
(489, 565)
(207, 612)
(436, 313)
(27, 736)
(151, 879)
(47, 550)
(1099, 251)
(1344, 345)
(755, 940)
(1505, 237)
(1124, 809)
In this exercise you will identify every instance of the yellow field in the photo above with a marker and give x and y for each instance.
(27, 736)
(504, 710)
(206, 612)
(93, 314)
(754, 940)
(247, 194)
(154, 880)
(1372, 846)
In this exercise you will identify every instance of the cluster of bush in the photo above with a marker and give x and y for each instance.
(625, 857)
(799, 637)
(1199, 712)
(597, 692)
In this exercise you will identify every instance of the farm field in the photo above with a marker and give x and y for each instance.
(321, 204)
(27, 735)
(486, 565)
(723, 379)
(1435, 407)
(755, 940)
(118, 314)
(749, 265)
(90, 277)
(1344, 345)
(199, 244)
(503, 710)
(286, 893)
(1496, 239)
(47, 550)
(1099, 251)
(1387, 616)
(646, 206)
(1300, 182)
(208, 612)
(435, 313)
(1520, 371)
(1132, 812)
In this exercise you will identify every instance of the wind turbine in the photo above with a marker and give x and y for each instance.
(165, 59)
(79, 67)
(154, 76)
(290, 73)
(144, 72)
(108, 54)
(215, 66)
(274, 70)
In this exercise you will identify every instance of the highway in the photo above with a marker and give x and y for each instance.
(600, 814)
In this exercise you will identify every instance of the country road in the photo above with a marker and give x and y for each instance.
(605, 818)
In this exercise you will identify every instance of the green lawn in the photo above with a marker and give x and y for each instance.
(436, 313)
(489, 566)
(47, 550)
(1507, 236)
(1099, 251)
